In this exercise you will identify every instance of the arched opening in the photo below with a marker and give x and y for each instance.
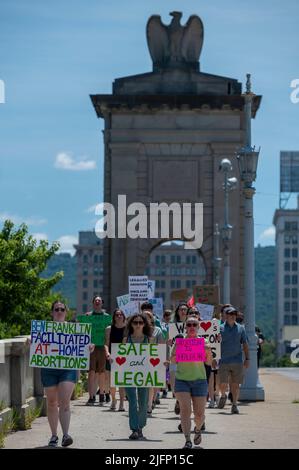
(175, 268)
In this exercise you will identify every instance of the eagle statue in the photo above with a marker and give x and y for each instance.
(174, 45)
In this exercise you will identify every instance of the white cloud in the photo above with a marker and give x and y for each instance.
(66, 243)
(65, 161)
(40, 236)
(16, 219)
(91, 209)
(268, 235)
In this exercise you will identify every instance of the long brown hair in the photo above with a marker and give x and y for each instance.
(147, 329)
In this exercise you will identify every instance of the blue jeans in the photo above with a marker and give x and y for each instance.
(137, 416)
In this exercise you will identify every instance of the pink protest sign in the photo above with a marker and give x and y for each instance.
(190, 350)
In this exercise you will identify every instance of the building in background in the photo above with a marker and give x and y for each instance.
(173, 267)
(89, 254)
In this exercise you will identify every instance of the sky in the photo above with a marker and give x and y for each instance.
(53, 55)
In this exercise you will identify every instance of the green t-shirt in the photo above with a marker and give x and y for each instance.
(99, 321)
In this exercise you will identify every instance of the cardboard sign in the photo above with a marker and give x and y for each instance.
(208, 294)
(128, 307)
(151, 289)
(138, 365)
(99, 324)
(206, 311)
(190, 350)
(158, 307)
(60, 345)
(207, 330)
(179, 295)
(138, 288)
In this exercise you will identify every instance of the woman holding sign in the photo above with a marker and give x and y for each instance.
(191, 386)
(180, 316)
(139, 331)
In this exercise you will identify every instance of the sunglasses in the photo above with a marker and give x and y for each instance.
(119, 315)
(138, 323)
(59, 309)
(192, 324)
(183, 308)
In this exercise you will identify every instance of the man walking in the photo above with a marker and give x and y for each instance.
(231, 369)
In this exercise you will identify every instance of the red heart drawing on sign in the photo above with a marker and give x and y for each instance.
(205, 325)
(154, 362)
(120, 360)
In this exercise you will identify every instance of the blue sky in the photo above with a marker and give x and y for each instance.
(54, 54)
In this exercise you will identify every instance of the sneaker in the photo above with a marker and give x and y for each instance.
(188, 445)
(140, 434)
(91, 401)
(235, 410)
(157, 401)
(108, 399)
(177, 408)
(121, 407)
(53, 442)
(164, 394)
(197, 437)
(149, 410)
(180, 428)
(134, 436)
(211, 404)
(203, 427)
(67, 440)
(222, 402)
(102, 400)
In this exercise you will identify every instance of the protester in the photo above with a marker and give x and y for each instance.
(139, 330)
(222, 312)
(193, 311)
(260, 341)
(167, 316)
(115, 334)
(59, 385)
(191, 387)
(180, 316)
(96, 374)
(231, 369)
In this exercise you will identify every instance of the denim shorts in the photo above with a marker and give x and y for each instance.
(53, 377)
(196, 388)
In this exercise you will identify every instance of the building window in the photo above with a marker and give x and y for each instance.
(95, 284)
(287, 320)
(101, 259)
(158, 259)
(287, 306)
(85, 259)
(287, 279)
(85, 296)
(294, 280)
(163, 284)
(287, 266)
(294, 226)
(163, 259)
(85, 284)
(158, 284)
(193, 283)
(95, 259)
(96, 271)
(193, 259)
(85, 271)
(178, 284)
(287, 293)
(287, 239)
(101, 282)
(84, 308)
(188, 284)
(294, 293)
(172, 271)
(295, 239)
(294, 320)
(188, 259)
(172, 284)
(295, 252)
(287, 226)
(178, 271)
(294, 306)
(178, 259)
(294, 266)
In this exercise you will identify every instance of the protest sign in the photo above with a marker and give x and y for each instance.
(190, 350)
(138, 365)
(179, 295)
(128, 307)
(208, 294)
(99, 324)
(151, 289)
(206, 311)
(138, 288)
(60, 345)
(157, 306)
(208, 330)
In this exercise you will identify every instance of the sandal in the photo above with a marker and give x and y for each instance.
(197, 437)
(113, 406)
(188, 445)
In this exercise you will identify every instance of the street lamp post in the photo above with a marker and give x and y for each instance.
(217, 259)
(248, 159)
(226, 231)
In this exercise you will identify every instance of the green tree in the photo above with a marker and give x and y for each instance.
(24, 295)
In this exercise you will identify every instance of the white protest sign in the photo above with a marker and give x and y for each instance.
(157, 306)
(138, 288)
(207, 329)
(128, 307)
(60, 345)
(151, 289)
(138, 365)
(206, 311)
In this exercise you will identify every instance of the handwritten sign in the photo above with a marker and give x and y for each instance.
(179, 295)
(190, 350)
(128, 307)
(151, 289)
(157, 306)
(56, 345)
(99, 324)
(138, 288)
(206, 311)
(207, 329)
(207, 294)
(138, 365)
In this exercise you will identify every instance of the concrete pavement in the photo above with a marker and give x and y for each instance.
(272, 424)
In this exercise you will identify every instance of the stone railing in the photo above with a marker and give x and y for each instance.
(21, 390)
